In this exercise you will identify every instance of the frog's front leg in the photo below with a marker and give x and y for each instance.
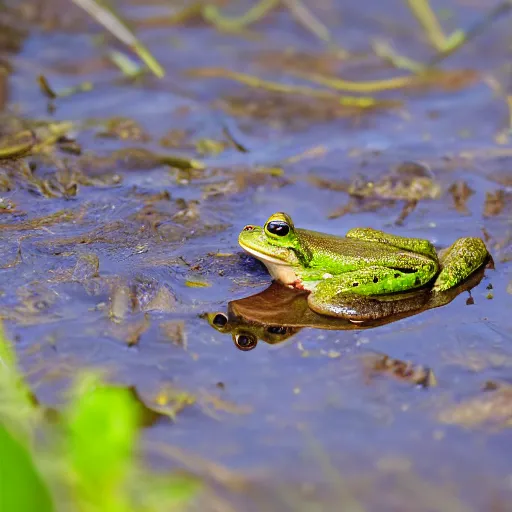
(459, 261)
(416, 245)
(345, 295)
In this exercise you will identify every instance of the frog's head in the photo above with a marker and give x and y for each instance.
(276, 244)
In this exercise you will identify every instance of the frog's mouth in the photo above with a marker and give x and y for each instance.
(265, 258)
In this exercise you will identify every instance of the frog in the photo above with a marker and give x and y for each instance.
(364, 275)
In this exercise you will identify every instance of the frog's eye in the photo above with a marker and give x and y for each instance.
(277, 330)
(220, 320)
(278, 227)
(245, 341)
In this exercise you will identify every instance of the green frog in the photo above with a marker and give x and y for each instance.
(362, 276)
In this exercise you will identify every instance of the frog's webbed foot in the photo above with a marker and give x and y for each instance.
(459, 261)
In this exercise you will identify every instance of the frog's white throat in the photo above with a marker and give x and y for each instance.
(279, 270)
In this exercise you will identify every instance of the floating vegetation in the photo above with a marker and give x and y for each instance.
(268, 85)
(212, 14)
(197, 284)
(17, 146)
(429, 78)
(41, 222)
(406, 371)
(51, 94)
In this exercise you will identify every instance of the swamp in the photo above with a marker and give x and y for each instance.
(148, 363)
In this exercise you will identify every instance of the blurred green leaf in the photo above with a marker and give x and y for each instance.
(103, 427)
(170, 493)
(7, 357)
(16, 401)
(21, 486)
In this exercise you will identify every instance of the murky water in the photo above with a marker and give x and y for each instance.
(304, 423)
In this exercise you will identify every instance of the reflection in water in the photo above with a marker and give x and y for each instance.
(246, 334)
(278, 313)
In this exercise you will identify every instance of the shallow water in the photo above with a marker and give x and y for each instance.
(302, 421)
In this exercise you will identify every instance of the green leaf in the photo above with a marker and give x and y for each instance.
(7, 357)
(103, 425)
(170, 493)
(17, 408)
(21, 486)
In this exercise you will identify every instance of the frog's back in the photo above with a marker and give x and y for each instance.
(346, 254)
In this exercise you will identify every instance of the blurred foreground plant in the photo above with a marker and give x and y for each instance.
(83, 461)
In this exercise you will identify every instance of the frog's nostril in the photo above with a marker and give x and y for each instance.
(375, 279)
(249, 228)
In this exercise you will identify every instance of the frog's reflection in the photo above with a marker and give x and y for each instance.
(246, 333)
(278, 313)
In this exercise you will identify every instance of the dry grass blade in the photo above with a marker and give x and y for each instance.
(388, 84)
(253, 81)
(127, 66)
(433, 78)
(212, 14)
(46, 88)
(384, 50)
(51, 94)
(307, 19)
(461, 37)
(116, 27)
(427, 19)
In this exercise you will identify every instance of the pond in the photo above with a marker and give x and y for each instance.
(119, 243)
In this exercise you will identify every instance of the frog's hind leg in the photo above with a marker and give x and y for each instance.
(348, 294)
(459, 261)
(358, 308)
(417, 245)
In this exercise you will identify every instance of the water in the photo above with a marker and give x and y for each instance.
(302, 421)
